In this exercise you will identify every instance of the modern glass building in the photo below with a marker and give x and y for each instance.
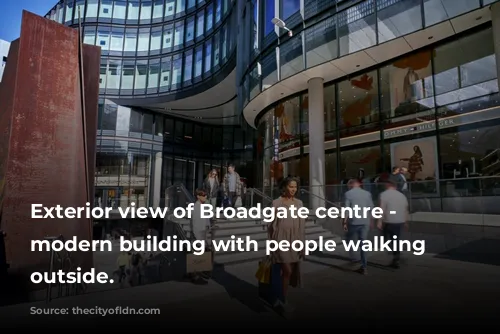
(362, 86)
(167, 110)
(358, 87)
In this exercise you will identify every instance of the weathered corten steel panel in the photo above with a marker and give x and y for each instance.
(45, 151)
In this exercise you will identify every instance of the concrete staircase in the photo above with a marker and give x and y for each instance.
(256, 230)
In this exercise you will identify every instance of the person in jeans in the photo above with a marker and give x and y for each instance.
(395, 215)
(232, 185)
(211, 185)
(357, 228)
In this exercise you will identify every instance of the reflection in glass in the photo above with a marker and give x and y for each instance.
(180, 6)
(114, 74)
(141, 74)
(179, 33)
(169, 8)
(89, 35)
(146, 7)
(143, 41)
(200, 24)
(92, 6)
(156, 35)
(208, 56)
(176, 71)
(154, 73)
(133, 10)
(119, 10)
(117, 39)
(291, 55)
(103, 38)
(289, 7)
(198, 67)
(167, 37)
(439, 10)
(357, 27)
(321, 42)
(130, 40)
(188, 67)
(399, 18)
(210, 17)
(158, 9)
(165, 73)
(190, 29)
(128, 75)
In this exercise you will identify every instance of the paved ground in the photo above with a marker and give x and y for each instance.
(426, 293)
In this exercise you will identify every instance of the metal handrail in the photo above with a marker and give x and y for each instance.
(337, 205)
(187, 193)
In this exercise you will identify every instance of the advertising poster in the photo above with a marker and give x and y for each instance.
(419, 156)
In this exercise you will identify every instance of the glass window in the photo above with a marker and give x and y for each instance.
(141, 74)
(289, 7)
(103, 38)
(133, 10)
(135, 121)
(364, 162)
(180, 6)
(269, 10)
(439, 10)
(143, 42)
(165, 72)
(117, 38)
(106, 9)
(176, 71)
(158, 9)
(114, 69)
(321, 42)
(128, 75)
(291, 55)
(465, 69)
(208, 56)
(167, 37)
(469, 151)
(255, 22)
(330, 112)
(130, 40)
(146, 7)
(269, 70)
(79, 10)
(69, 12)
(156, 38)
(147, 124)
(406, 90)
(92, 6)
(216, 49)
(154, 73)
(191, 4)
(398, 18)
(188, 66)
(210, 17)
(158, 125)
(198, 67)
(357, 27)
(119, 10)
(224, 43)
(109, 117)
(169, 8)
(102, 75)
(218, 9)
(200, 24)
(190, 29)
(89, 35)
(179, 33)
(358, 104)
(288, 119)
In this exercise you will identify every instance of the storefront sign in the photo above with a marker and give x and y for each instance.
(417, 128)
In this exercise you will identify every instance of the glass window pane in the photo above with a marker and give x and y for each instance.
(321, 42)
(128, 76)
(188, 67)
(289, 7)
(158, 9)
(102, 75)
(133, 10)
(114, 69)
(106, 9)
(200, 24)
(92, 6)
(154, 74)
(357, 27)
(69, 12)
(269, 10)
(208, 56)
(117, 37)
(291, 55)
(143, 42)
(165, 72)
(216, 49)
(199, 62)
(398, 18)
(191, 4)
(146, 7)
(147, 124)
(176, 71)
(179, 33)
(167, 37)
(169, 8)
(180, 6)
(218, 7)
(119, 10)
(103, 38)
(141, 74)
(210, 17)
(190, 29)
(89, 35)
(156, 39)
(439, 10)
(130, 40)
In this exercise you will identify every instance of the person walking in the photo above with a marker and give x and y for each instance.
(232, 185)
(199, 228)
(358, 228)
(212, 185)
(394, 206)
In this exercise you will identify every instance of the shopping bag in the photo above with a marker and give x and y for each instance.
(263, 273)
(237, 203)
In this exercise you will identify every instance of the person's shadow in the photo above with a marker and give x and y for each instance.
(244, 292)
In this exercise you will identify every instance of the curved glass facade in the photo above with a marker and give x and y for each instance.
(324, 30)
(163, 49)
(442, 100)
(154, 47)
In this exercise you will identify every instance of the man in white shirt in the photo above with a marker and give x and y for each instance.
(395, 215)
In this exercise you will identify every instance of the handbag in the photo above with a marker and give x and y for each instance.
(263, 273)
